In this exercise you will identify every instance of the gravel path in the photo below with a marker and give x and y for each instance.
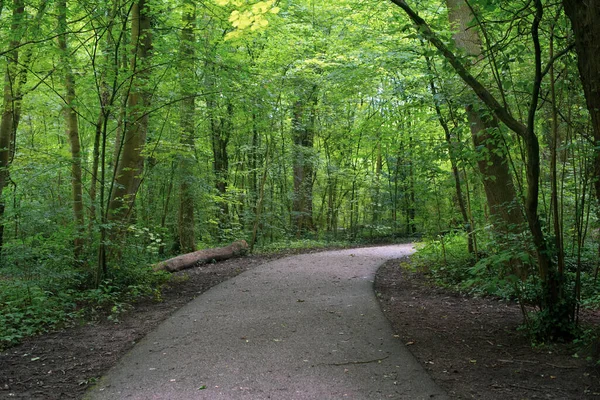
(302, 327)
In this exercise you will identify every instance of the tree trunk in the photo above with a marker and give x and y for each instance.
(498, 184)
(259, 201)
(11, 111)
(220, 132)
(108, 86)
(585, 22)
(186, 219)
(493, 164)
(555, 202)
(200, 257)
(72, 129)
(130, 156)
(303, 133)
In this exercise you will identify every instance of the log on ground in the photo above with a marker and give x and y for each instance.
(185, 261)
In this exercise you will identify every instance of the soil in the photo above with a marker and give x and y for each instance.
(470, 346)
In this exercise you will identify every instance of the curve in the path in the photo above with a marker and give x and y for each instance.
(302, 327)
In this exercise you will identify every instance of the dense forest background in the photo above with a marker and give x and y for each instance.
(136, 130)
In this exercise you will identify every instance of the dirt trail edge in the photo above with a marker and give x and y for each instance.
(302, 327)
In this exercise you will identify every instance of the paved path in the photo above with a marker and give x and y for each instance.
(302, 327)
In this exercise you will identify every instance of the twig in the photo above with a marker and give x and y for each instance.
(527, 388)
(359, 362)
(519, 361)
(25, 381)
(563, 366)
(540, 389)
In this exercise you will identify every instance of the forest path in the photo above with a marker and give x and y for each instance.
(302, 327)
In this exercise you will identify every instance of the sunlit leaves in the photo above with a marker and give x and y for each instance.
(247, 16)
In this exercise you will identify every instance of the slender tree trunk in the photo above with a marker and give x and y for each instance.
(556, 215)
(376, 211)
(411, 196)
(452, 155)
(94, 172)
(165, 208)
(11, 111)
(259, 201)
(186, 219)
(130, 164)
(303, 133)
(108, 83)
(409, 183)
(221, 132)
(72, 129)
(221, 126)
(253, 161)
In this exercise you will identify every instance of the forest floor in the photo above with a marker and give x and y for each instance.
(469, 346)
(472, 347)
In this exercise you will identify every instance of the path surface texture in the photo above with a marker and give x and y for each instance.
(302, 327)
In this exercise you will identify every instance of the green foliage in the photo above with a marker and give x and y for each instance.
(446, 259)
(42, 288)
(27, 309)
(494, 275)
(588, 344)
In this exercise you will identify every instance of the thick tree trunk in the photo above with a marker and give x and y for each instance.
(72, 129)
(493, 164)
(186, 219)
(130, 157)
(303, 133)
(585, 22)
(498, 184)
(200, 257)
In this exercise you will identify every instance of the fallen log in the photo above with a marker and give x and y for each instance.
(200, 257)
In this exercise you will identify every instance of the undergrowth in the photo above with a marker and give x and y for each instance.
(43, 289)
(447, 261)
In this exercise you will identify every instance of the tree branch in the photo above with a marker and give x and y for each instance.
(481, 91)
(556, 57)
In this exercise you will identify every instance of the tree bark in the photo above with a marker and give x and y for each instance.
(498, 184)
(493, 164)
(221, 127)
(200, 257)
(130, 164)
(303, 134)
(186, 219)
(585, 22)
(11, 111)
(72, 129)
